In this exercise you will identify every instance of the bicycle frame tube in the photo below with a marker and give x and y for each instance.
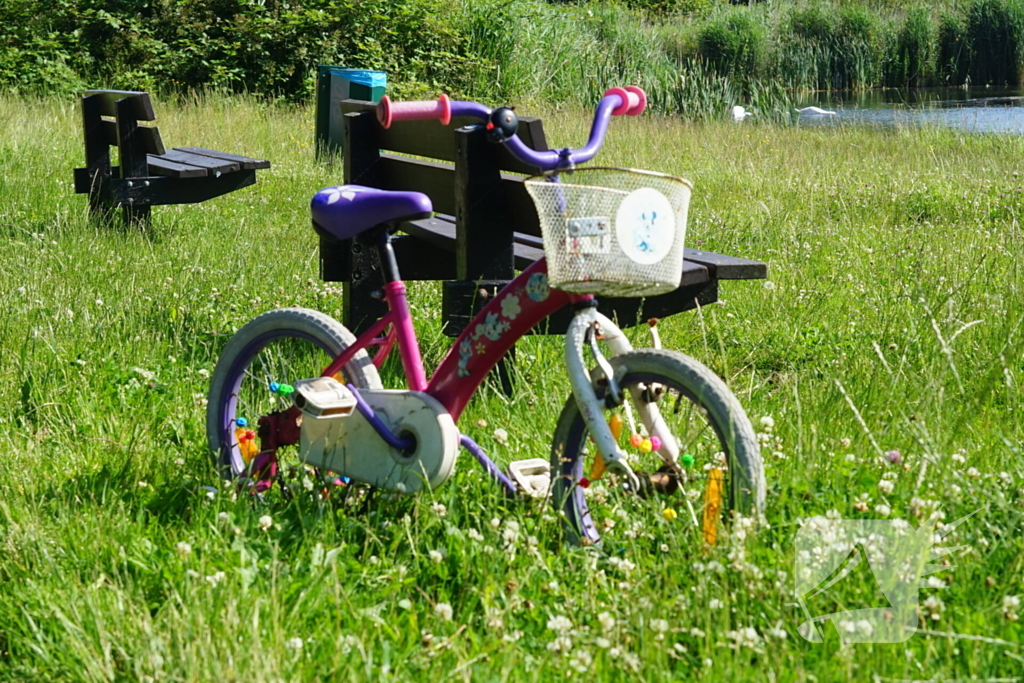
(514, 311)
(402, 331)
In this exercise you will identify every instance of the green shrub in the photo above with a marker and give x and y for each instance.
(733, 44)
(269, 46)
(676, 7)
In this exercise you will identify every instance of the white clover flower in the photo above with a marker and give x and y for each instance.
(767, 423)
(203, 372)
(621, 563)
(885, 486)
(934, 605)
(223, 518)
(560, 624)
(560, 644)
(716, 604)
(883, 509)
(439, 509)
(495, 523)
(444, 610)
(744, 637)
(973, 472)
(184, 548)
(265, 522)
(510, 534)
(606, 620)
(501, 436)
(216, 578)
(474, 534)
(602, 642)
(1010, 605)
(294, 643)
(958, 457)
(777, 632)
(659, 625)
(436, 556)
(405, 603)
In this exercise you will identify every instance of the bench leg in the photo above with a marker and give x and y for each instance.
(503, 371)
(136, 215)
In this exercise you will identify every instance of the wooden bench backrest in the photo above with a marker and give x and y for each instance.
(463, 174)
(103, 109)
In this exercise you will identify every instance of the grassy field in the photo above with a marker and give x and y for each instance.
(893, 321)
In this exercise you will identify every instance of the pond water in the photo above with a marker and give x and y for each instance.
(975, 110)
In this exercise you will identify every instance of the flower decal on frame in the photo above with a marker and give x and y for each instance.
(510, 307)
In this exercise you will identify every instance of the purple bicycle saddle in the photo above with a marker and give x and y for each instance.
(347, 210)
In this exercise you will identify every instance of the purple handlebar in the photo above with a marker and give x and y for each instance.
(617, 101)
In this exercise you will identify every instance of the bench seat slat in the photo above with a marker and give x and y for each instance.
(214, 166)
(728, 267)
(159, 165)
(246, 163)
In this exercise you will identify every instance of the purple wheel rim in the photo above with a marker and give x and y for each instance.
(230, 458)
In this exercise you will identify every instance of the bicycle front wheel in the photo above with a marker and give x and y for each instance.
(257, 367)
(720, 466)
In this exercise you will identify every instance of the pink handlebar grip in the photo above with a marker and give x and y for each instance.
(388, 111)
(634, 100)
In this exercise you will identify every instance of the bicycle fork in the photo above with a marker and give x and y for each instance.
(586, 327)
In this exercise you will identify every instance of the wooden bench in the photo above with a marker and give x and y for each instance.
(147, 174)
(485, 227)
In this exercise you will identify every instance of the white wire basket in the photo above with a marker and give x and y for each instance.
(612, 231)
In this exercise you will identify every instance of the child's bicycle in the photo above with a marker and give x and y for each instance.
(295, 392)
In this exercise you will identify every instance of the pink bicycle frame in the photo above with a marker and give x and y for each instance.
(515, 310)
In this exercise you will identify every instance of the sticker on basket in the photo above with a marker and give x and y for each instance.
(645, 226)
(592, 235)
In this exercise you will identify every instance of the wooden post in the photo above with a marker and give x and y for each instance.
(133, 161)
(97, 155)
(484, 247)
(358, 268)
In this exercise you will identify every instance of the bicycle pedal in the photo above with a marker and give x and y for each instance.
(532, 476)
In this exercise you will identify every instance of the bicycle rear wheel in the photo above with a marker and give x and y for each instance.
(264, 358)
(722, 472)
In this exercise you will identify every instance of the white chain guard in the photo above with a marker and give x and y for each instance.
(351, 447)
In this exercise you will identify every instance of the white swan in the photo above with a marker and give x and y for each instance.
(739, 113)
(815, 111)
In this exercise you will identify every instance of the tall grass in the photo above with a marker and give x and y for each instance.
(894, 322)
